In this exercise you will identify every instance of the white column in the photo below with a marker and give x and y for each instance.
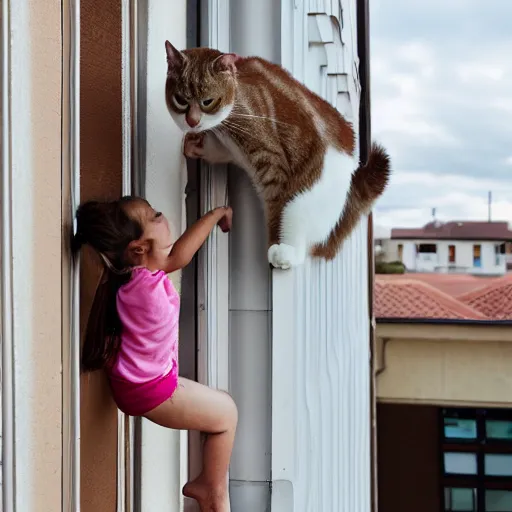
(161, 173)
(255, 30)
(320, 349)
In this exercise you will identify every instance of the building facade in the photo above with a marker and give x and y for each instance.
(444, 420)
(459, 247)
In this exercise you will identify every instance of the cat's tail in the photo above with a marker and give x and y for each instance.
(368, 183)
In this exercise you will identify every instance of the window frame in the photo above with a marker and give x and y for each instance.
(481, 446)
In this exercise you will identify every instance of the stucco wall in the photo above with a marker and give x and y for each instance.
(35, 268)
(441, 364)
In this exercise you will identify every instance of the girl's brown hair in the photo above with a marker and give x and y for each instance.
(108, 229)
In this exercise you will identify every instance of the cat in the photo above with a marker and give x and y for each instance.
(297, 149)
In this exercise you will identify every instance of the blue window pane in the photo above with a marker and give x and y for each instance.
(456, 428)
(460, 463)
(498, 464)
(495, 429)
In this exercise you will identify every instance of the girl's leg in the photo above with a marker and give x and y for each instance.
(197, 407)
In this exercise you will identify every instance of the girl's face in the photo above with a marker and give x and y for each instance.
(156, 229)
(156, 233)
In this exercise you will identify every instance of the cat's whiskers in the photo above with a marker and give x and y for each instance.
(237, 128)
(234, 113)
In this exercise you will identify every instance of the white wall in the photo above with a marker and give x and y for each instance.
(320, 338)
(163, 464)
(408, 255)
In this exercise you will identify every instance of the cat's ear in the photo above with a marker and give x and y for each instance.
(227, 62)
(175, 58)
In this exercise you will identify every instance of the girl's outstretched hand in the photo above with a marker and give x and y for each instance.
(194, 237)
(226, 221)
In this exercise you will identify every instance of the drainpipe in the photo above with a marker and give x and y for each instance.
(363, 48)
(255, 30)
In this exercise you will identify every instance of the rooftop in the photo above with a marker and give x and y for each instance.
(456, 230)
(443, 296)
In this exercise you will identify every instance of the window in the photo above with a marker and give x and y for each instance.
(401, 252)
(498, 501)
(451, 254)
(476, 460)
(477, 255)
(459, 500)
(427, 248)
(457, 428)
(498, 429)
(499, 251)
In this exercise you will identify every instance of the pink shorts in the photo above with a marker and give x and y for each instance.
(137, 399)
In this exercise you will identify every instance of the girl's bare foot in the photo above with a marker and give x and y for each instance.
(210, 499)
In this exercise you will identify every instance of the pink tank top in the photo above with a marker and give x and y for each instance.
(149, 309)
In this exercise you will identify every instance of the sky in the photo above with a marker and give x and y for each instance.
(441, 92)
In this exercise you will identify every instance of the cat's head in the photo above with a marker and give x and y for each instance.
(201, 87)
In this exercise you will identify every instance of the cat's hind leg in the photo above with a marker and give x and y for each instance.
(287, 246)
(309, 218)
(367, 185)
(290, 249)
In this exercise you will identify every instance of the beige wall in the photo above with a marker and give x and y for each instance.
(409, 460)
(101, 167)
(45, 397)
(444, 364)
(33, 446)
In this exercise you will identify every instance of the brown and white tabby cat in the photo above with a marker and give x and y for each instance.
(297, 149)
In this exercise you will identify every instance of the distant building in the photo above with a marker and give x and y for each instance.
(458, 247)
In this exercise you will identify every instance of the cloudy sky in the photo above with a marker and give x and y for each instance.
(442, 105)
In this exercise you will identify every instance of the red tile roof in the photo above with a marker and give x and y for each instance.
(452, 284)
(410, 298)
(443, 296)
(494, 301)
(455, 230)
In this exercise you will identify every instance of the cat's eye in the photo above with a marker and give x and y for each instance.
(179, 102)
(209, 104)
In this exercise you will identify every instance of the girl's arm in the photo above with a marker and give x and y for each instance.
(191, 241)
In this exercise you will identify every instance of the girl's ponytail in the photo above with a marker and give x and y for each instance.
(108, 229)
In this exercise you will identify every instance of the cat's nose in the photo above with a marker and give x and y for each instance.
(192, 121)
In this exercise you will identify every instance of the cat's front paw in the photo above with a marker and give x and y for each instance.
(193, 145)
(284, 256)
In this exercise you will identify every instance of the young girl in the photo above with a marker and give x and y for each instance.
(133, 330)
